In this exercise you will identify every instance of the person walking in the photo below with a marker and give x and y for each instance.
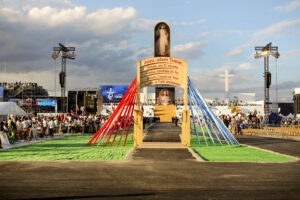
(176, 121)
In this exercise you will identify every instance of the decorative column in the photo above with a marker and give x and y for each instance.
(185, 129)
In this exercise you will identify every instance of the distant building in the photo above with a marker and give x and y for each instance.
(31, 97)
(296, 99)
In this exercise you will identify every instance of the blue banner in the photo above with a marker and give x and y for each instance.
(113, 93)
(1, 92)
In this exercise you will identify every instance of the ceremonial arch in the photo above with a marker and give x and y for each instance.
(163, 70)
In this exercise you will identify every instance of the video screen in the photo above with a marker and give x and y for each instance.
(46, 102)
(165, 95)
(1, 92)
(113, 93)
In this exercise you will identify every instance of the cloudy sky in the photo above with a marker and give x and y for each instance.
(111, 35)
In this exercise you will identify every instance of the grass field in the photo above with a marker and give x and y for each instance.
(69, 148)
(198, 129)
(229, 153)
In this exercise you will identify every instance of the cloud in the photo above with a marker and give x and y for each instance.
(288, 7)
(47, 17)
(283, 27)
(220, 33)
(190, 23)
(245, 66)
(286, 27)
(238, 50)
(290, 54)
(102, 38)
(191, 50)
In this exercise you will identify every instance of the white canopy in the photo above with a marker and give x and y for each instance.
(11, 108)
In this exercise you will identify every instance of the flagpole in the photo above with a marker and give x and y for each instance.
(76, 101)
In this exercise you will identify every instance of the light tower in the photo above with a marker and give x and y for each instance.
(63, 51)
(265, 51)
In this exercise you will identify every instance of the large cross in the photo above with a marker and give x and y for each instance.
(226, 76)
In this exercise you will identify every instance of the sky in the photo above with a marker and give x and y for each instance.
(110, 36)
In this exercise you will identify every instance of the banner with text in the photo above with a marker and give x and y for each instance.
(163, 71)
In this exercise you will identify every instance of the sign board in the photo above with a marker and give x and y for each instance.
(163, 71)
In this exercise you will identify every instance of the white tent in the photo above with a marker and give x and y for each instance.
(11, 108)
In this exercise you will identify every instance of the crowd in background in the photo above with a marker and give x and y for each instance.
(244, 121)
(35, 127)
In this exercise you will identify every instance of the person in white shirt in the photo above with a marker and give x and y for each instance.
(51, 127)
(26, 129)
(44, 127)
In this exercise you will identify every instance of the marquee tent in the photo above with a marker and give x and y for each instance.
(11, 108)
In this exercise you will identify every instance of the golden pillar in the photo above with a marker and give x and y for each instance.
(185, 129)
(138, 113)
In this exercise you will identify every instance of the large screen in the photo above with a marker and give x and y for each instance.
(1, 92)
(46, 102)
(113, 93)
(165, 95)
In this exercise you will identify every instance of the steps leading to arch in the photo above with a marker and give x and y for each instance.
(165, 112)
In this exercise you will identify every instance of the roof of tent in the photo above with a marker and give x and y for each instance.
(10, 108)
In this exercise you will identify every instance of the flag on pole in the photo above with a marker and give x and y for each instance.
(74, 114)
(77, 108)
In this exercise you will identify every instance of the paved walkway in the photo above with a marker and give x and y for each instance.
(163, 132)
(162, 142)
(153, 173)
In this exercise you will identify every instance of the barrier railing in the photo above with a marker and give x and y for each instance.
(293, 130)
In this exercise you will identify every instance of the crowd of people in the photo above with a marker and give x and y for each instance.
(244, 121)
(291, 121)
(14, 85)
(241, 121)
(35, 127)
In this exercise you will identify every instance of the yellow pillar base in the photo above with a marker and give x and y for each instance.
(185, 129)
(138, 128)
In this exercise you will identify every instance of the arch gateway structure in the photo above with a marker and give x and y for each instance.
(162, 69)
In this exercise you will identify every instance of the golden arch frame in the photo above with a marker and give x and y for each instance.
(162, 71)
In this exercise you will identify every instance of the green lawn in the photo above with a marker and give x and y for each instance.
(199, 129)
(69, 148)
(229, 153)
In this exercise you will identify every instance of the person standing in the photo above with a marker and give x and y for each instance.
(51, 127)
(176, 120)
(26, 129)
(44, 127)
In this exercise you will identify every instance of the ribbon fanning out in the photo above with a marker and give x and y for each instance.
(120, 119)
(203, 117)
